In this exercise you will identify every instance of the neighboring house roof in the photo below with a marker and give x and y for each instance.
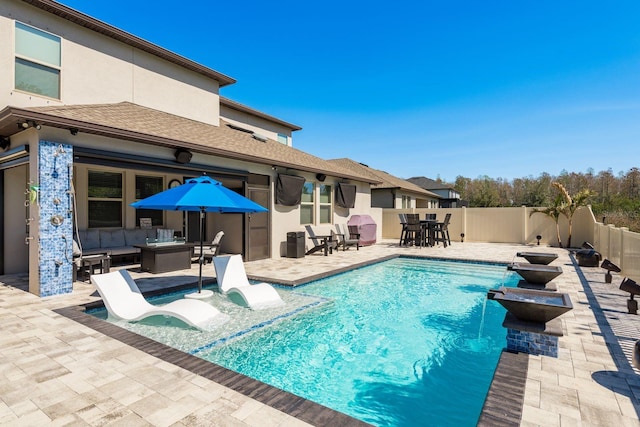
(133, 122)
(243, 108)
(103, 28)
(387, 181)
(429, 184)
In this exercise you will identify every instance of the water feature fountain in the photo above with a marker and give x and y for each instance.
(535, 273)
(532, 320)
(542, 258)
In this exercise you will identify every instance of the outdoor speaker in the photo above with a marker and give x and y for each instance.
(183, 156)
(321, 177)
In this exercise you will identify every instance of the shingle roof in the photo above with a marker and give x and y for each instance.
(133, 122)
(429, 184)
(387, 180)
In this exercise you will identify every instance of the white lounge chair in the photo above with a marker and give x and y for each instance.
(232, 280)
(123, 300)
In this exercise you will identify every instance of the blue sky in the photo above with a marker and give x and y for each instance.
(505, 89)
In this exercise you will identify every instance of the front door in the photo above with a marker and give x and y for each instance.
(258, 238)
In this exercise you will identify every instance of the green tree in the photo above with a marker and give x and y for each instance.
(571, 204)
(554, 212)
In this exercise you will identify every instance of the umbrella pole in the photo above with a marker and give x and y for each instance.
(202, 216)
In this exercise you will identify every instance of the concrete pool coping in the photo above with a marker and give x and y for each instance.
(590, 382)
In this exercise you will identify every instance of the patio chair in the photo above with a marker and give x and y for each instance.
(441, 231)
(123, 300)
(232, 281)
(320, 242)
(346, 238)
(403, 223)
(413, 232)
(210, 250)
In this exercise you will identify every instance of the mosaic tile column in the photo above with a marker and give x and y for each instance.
(55, 239)
(532, 343)
(533, 337)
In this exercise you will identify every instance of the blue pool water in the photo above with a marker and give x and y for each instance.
(405, 342)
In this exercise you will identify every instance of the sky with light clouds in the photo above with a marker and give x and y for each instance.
(504, 89)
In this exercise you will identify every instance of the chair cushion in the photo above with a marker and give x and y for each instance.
(123, 250)
(89, 239)
(135, 237)
(112, 238)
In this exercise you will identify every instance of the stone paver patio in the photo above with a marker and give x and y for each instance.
(56, 371)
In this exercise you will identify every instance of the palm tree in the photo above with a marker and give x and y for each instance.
(571, 204)
(554, 211)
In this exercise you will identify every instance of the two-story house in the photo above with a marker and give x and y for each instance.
(93, 118)
(449, 197)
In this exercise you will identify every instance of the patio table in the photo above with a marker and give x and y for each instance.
(161, 258)
(428, 231)
(325, 240)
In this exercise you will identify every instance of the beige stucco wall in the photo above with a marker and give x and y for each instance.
(283, 219)
(287, 218)
(257, 124)
(97, 69)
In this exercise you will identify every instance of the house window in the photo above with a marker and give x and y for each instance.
(148, 186)
(306, 204)
(105, 199)
(326, 208)
(406, 202)
(37, 66)
(283, 139)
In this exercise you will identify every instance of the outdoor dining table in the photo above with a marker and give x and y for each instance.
(428, 231)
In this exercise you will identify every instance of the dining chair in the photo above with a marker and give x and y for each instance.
(441, 231)
(414, 230)
(403, 223)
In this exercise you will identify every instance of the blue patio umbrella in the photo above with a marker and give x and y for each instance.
(202, 194)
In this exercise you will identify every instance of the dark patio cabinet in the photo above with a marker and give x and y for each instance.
(295, 244)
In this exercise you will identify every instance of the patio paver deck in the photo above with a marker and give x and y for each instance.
(56, 371)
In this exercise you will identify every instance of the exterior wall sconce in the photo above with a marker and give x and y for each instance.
(29, 124)
(538, 237)
(183, 156)
(73, 131)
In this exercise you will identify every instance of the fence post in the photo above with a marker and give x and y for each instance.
(463, 226)
(525, 228)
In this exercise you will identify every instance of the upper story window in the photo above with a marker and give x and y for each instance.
(37, 66)
(283, 139)
(306, 204)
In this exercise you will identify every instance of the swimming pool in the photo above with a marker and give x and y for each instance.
(403, 342)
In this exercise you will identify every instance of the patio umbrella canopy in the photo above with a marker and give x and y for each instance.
(202, 194)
